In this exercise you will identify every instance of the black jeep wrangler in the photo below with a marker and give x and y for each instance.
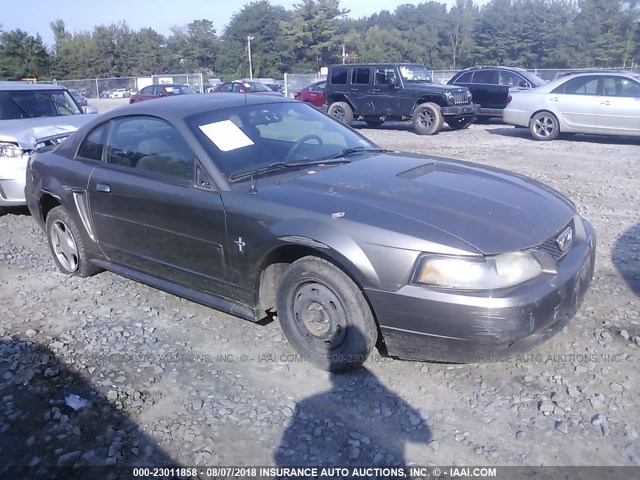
(379, 92)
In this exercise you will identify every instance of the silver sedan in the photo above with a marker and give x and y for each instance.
(602, 103)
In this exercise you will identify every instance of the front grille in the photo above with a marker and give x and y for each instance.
(551, 245)
(460, 98)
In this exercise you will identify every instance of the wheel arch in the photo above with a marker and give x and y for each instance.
(339, 98)
(427, 99)
(341, 251)
(541, 110)
(46, 203)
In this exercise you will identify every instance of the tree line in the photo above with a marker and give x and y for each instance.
(316, 33)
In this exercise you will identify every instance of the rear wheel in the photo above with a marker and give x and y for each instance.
(68, 245)
(544, 126)
(341, 111)
(427, 119)
(324, 315)
(460, 123)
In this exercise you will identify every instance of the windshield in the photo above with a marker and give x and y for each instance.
(252, 137)
(258, 87)
(36, 103)
(416, 73)
(179, 90)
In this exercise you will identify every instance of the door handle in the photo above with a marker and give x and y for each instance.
(606, 102)
(103, 187)
(355, 89)
(375, 90)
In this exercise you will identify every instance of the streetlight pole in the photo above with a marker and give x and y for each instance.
(249, 38)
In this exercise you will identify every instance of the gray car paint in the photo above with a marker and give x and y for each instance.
(374, 218)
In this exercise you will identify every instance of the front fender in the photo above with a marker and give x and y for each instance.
(333, 242)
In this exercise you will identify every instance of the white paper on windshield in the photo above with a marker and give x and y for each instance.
(226, 135)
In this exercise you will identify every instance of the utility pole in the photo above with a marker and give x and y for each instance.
(249, 38)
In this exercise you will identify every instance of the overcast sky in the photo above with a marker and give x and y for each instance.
(34, 16)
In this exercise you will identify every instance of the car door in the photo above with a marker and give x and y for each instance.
(148, 213)
(576, 103)
(147, 93)
(385, 98)
(361, 90)
(486, 91)
(619, 109)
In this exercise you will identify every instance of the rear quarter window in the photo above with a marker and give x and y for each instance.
(339, 76)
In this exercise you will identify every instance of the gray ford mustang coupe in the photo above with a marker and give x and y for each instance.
(256, 205)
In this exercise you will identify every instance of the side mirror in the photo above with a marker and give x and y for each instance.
(90, 109)
(525, 84)
(393, 81)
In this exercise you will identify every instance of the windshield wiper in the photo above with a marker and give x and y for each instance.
(55, 102)
(20, 107)
(349, 151)
(272, 167)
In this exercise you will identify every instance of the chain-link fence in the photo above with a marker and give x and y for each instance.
(123, 87)
(294, 82)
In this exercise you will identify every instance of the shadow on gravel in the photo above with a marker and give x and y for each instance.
(358, 422)
(515, 132)
(50, 416)
(397, 127)
(23, 210)
(626, 257)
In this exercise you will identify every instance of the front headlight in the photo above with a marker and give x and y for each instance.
(449, 97)
(499, 271)
(10, 150)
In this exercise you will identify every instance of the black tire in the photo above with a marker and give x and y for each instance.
(341, 111)
(68, 244)
(544, 126)
(325, 316)
(427, 119)
(2, 211)
(373, 122)
(460, 123)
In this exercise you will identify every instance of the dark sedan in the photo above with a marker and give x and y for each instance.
(245, 87)
(164, 90)
(256, 205)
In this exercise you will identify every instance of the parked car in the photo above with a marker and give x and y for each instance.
(491, 87)
(31, 116)
(120, 93)
(313, 94)
(245, 87)
(605, 103)
(268, 205)
(79, 98)
(376, 93)
(165, 90)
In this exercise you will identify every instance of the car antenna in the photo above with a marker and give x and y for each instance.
(253, 187)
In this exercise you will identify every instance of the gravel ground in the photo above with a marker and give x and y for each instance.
(159, 379)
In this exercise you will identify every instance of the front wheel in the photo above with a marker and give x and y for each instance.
(341, 111)
(67, 244)
(324, 315)
(460, 123)
(427, 119)
(544, 126)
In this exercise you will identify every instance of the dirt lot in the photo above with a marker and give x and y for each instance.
(168, 380)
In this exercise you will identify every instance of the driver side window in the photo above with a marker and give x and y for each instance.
(151, 145)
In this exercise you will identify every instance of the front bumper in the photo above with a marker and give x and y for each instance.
(460, 110)
(424, 324)
(13, 177)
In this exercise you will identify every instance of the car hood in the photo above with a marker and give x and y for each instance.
(434, 87)
(491, 210)
(27, 131)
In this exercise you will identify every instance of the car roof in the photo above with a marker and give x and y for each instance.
(169, 85)
(491, 67)
(181, 106)
(622, 73)
(28, 86)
